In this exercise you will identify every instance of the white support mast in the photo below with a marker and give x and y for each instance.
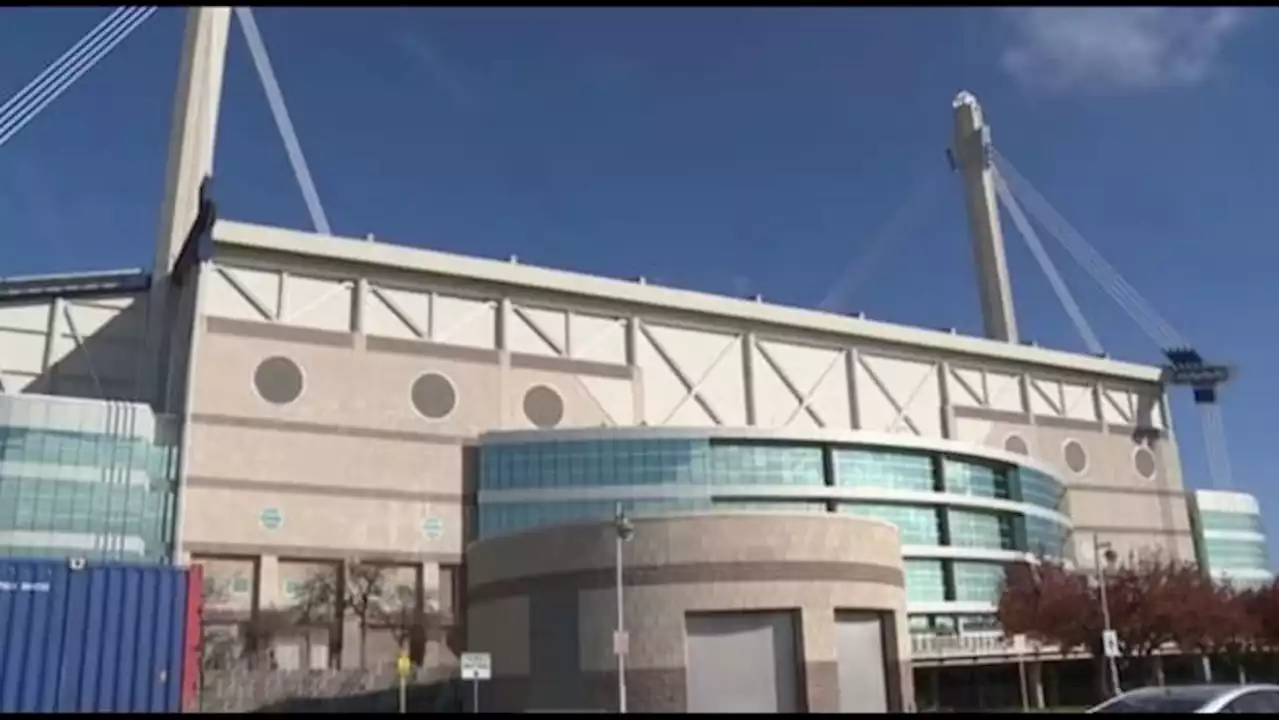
(191, 143)
(972, 154)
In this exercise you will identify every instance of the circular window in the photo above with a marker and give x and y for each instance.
(278, 380)
(433, 396)
(543, 407)
(1144, 462)
(1074, 455)
(1015, 445)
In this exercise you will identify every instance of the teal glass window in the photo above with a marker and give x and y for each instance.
(91, 492)
(1238, 522)
(916, 525)
(1047, 538)
(1039, 489)
(993, 531)
(978, 582)
(883, 470)
(1236, 554)
(925, 580)
(964, 478)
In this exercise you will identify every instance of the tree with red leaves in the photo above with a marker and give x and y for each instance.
(1262, 608)
(1152, 601)
(1050, 604)
(1152, 598)
(1211, 619)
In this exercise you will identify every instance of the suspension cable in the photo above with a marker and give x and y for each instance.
(280, 113)
(1150, 322)
(1056, 282)
(856, 272)
(84, 61)
(63, 60)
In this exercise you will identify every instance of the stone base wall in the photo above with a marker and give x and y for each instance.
(326, 691)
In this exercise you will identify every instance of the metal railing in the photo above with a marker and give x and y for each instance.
(971, 644)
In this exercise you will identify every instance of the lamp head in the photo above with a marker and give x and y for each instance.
(622, 524)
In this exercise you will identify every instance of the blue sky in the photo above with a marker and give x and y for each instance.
(730, 150)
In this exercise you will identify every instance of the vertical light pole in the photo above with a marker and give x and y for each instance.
(1099, 550)
(623, 531)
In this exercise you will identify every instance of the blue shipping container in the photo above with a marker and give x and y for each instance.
(93, 637)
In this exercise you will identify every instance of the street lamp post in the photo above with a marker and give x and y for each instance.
(623, 531)
(1099, 550)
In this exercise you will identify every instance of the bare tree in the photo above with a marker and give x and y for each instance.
(364, 590)
(261, 631)
(364, 596)
(217, 645)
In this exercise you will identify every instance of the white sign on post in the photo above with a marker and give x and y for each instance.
(476, 666)
(1110, 644)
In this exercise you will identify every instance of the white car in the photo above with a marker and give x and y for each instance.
(1228, 699)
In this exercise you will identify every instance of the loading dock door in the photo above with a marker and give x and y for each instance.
(741, 663)
(860, 654)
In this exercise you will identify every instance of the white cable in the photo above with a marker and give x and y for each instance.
(275, 98)
(1160, 331)
(855, 273)
(63, 59)
(10, 129)
(1215, 441)
(58, 77)
(1092, 262)
(1211, 457)
(1056, 282)
(55, 75)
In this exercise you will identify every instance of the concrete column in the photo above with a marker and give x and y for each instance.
(267, 592)
(191, 143)
(1035, 680)
(972, 153)
(748, 377)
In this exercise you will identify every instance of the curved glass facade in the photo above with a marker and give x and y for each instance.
(937, 500)
(85, 479)
(1231, 543)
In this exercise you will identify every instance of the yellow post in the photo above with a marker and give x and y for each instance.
(403, 667)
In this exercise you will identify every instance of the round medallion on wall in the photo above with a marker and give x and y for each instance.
(543, 406)
(1016, 445)
(271, 519)
(433, 396)
(433, 528)
(1076, 459)
(278, 380)
(1144, 463)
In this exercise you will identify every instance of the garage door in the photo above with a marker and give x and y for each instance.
(742, 662)
(860, 654)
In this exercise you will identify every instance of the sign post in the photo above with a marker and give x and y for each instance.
(403, 667)
(475, 666)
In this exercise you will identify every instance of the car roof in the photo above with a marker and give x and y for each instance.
(1208, 696)
(1206, 690)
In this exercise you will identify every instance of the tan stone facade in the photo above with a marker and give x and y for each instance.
(814, 566)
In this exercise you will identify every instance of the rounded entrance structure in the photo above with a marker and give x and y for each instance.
(743, 612)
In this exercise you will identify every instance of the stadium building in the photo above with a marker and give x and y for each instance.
(813, 496)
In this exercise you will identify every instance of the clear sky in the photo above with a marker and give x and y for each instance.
(728, 150)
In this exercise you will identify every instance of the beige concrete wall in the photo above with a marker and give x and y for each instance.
(1109, 496)
(352, 468)
(813, 565)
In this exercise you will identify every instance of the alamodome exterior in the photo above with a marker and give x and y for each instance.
(821, 506)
